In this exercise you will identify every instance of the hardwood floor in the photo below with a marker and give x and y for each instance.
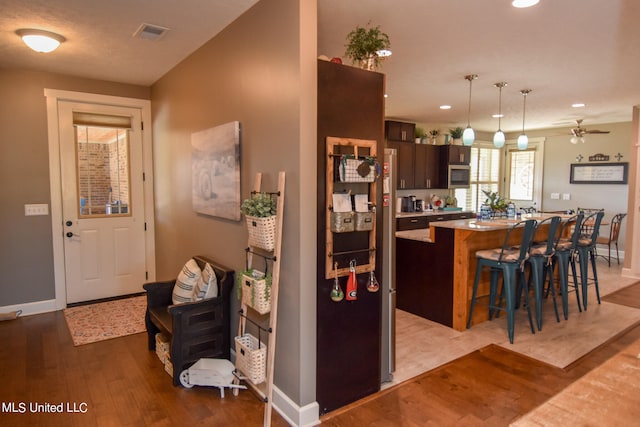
(492, 386)
(121, 383)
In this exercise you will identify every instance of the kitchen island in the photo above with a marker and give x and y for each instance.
(435, 270)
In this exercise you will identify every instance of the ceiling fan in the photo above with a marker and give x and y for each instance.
(578, 132)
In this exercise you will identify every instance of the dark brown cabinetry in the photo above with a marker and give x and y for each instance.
(405, 152)
(400, 131)
(417, 163)
(411, 223)
(426, 166)
(455, 155)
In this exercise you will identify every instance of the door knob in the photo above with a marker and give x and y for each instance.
(68, 223)
(69, 234)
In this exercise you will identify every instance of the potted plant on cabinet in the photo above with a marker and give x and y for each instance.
(365, 46)
(260, 213)
(456, 135)
(420, 135)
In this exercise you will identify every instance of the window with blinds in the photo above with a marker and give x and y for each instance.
(485, 175)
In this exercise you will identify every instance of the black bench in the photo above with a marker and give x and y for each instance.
(196, 329)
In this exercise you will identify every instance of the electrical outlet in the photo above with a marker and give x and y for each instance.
(38, 209)
(555, 196)
(566, 196)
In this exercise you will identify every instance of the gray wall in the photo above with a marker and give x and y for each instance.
(257, 71)
(559, 153)
(26, 260)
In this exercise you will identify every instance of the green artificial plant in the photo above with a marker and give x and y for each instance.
(260, 205)
(365, 43)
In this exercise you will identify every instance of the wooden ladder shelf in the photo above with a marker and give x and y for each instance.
(265, 389)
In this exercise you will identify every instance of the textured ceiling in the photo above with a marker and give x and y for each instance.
(565, 50)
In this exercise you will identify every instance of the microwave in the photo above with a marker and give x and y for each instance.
(458, 176)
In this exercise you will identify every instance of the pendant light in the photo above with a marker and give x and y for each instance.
(468, 136)
(498, 137)
(523, 139)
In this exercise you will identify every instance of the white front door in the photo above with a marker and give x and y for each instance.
(101, 160)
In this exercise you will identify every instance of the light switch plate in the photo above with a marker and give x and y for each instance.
(566, 196)
(37, 209)
(555, 196)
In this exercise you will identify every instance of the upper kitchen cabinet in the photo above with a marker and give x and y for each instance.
(426, 166)
(405, 152)
(400, 131)
(455, 155)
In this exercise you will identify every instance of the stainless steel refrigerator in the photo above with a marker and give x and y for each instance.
(388, 286)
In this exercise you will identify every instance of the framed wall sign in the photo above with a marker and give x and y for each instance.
(599, 173)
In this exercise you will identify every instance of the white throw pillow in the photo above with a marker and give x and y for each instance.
(186, 282)
(207, 286)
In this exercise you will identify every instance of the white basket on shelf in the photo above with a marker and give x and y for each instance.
(254, 291)
(262, 231)
(251, 357)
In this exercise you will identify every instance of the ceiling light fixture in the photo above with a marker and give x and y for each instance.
(445, 107)
(40, 40)
(468, 136)
(523, 139)
(524, 3)
(498, 137)
(577, 105)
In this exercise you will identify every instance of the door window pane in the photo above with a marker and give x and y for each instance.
(103, 171)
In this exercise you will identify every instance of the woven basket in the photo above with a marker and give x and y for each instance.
(262, 232)
(253, 292)
(364, 221)
(251, 357)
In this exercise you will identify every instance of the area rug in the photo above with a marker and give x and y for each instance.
(106, 320)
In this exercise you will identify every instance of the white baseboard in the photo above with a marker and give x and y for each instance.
(306, 416)
(30, 308)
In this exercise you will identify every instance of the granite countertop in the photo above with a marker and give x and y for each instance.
(421, 234)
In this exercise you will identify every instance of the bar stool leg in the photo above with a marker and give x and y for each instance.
(575, 281)
(583, 260)
(562, 260)
(593, 257)
(509, 282)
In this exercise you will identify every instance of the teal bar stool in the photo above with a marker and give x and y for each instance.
(563, 258)
(541, 261)
(586, 250)
(510, 261)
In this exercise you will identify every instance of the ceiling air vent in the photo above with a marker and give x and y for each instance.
(150, 32)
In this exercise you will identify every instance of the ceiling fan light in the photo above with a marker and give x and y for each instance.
(40, 40)
(468, 136)
(499, 139)
(523, 142)
(574, 140)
